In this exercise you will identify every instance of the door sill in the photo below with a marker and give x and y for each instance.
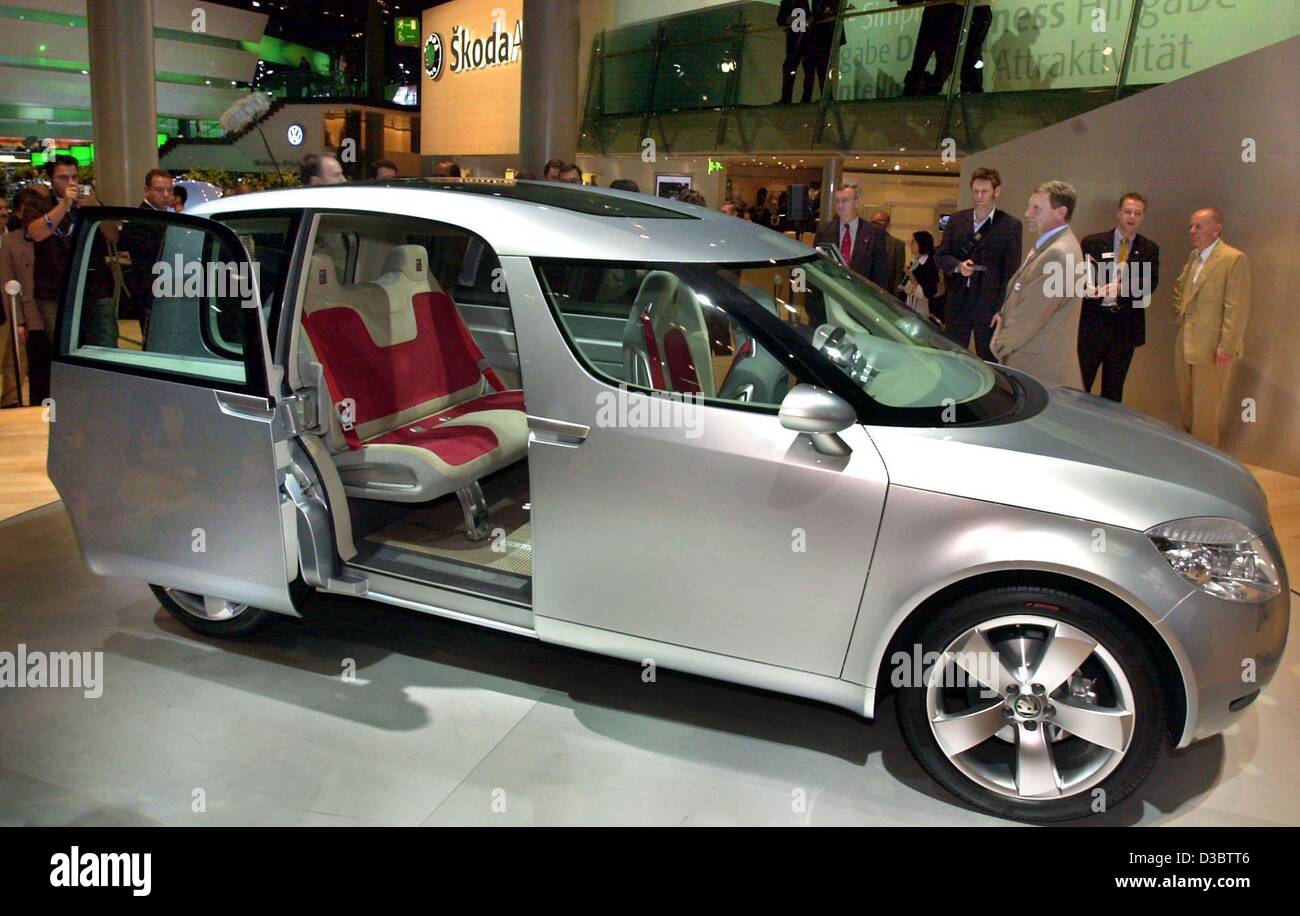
(444, 573)
(440, 601)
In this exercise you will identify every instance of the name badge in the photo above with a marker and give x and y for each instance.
(1016, 288)
(1108, 254)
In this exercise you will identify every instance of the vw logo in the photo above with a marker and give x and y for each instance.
(433, 55)
(296, 135)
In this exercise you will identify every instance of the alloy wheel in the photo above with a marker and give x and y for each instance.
(206, 607)
(1030, 707)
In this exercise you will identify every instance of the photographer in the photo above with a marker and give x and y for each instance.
(50, 230)
(979, 252)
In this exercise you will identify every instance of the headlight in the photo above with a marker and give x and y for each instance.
(1221, 557)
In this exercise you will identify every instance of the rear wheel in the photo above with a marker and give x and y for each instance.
(213, 616)
(1039, 704)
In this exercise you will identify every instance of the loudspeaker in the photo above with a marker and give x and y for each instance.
(799, 203)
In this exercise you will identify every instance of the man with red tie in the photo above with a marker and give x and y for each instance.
(860, 241)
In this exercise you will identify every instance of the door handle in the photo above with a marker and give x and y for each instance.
(557, 432)
(247, 406)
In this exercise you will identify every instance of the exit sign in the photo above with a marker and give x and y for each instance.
(714, 166)
(406, 31)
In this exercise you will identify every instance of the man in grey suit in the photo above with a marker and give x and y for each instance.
(1037, 330)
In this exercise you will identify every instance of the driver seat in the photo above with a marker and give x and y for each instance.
(666, 341)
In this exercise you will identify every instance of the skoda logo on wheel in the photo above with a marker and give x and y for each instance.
(433, 55)
(1027, 706)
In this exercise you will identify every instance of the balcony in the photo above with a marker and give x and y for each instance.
(710, 81)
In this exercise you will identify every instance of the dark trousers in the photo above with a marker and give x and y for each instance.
(939, 308)
(815, 64)
(1104, 349)
(937, 37)
(39, 353)
(966, 318)
(794, 56)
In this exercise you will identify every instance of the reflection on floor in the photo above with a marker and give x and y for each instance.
(447, 723)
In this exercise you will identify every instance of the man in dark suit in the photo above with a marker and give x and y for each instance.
(979, 253)
(797, 31)
(860, 241)
(897, 253)
(1126, 269)
(142, 244)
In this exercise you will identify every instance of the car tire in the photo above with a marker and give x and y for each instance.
(226, 620)
(1030, 767)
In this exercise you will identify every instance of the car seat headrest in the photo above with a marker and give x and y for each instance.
(411, 261)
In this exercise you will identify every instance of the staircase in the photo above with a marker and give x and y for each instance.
(224, 140)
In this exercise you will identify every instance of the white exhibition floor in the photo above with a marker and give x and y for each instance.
(451, 724)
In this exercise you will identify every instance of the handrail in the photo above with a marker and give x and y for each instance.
(1122, 78)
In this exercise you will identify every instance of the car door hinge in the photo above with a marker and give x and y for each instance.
(296, 414)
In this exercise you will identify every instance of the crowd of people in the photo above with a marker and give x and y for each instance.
(35, 244)
(1074, 307)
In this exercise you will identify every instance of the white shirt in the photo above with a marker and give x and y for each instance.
(1205, 255)
(976, 220)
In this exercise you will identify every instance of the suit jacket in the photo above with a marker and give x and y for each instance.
(896, 253)
(18, 262)
(1040, 318)
(1130, 322)
(785, 12)
(1216, 307)
(999, 253)
(870, 254)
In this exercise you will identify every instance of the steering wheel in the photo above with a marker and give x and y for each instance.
(835, 344)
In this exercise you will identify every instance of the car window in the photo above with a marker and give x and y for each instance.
(159, 296)
(747, 332)
(652, 327)
(269, 239)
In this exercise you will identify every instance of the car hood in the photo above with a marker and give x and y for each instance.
(1080, 456)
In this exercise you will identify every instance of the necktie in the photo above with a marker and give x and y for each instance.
(1123, 250)
(846, 244)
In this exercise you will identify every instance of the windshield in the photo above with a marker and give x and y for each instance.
(892, 353)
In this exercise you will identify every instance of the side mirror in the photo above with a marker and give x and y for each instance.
(821, 414)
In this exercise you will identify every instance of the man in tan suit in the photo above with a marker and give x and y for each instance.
(1212, 301)
(1037, 330)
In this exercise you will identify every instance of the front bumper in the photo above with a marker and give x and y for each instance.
(1230, 653)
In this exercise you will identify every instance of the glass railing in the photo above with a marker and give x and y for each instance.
(309, 86)
(874, 75)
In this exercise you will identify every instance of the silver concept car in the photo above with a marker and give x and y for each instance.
(646, 430)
